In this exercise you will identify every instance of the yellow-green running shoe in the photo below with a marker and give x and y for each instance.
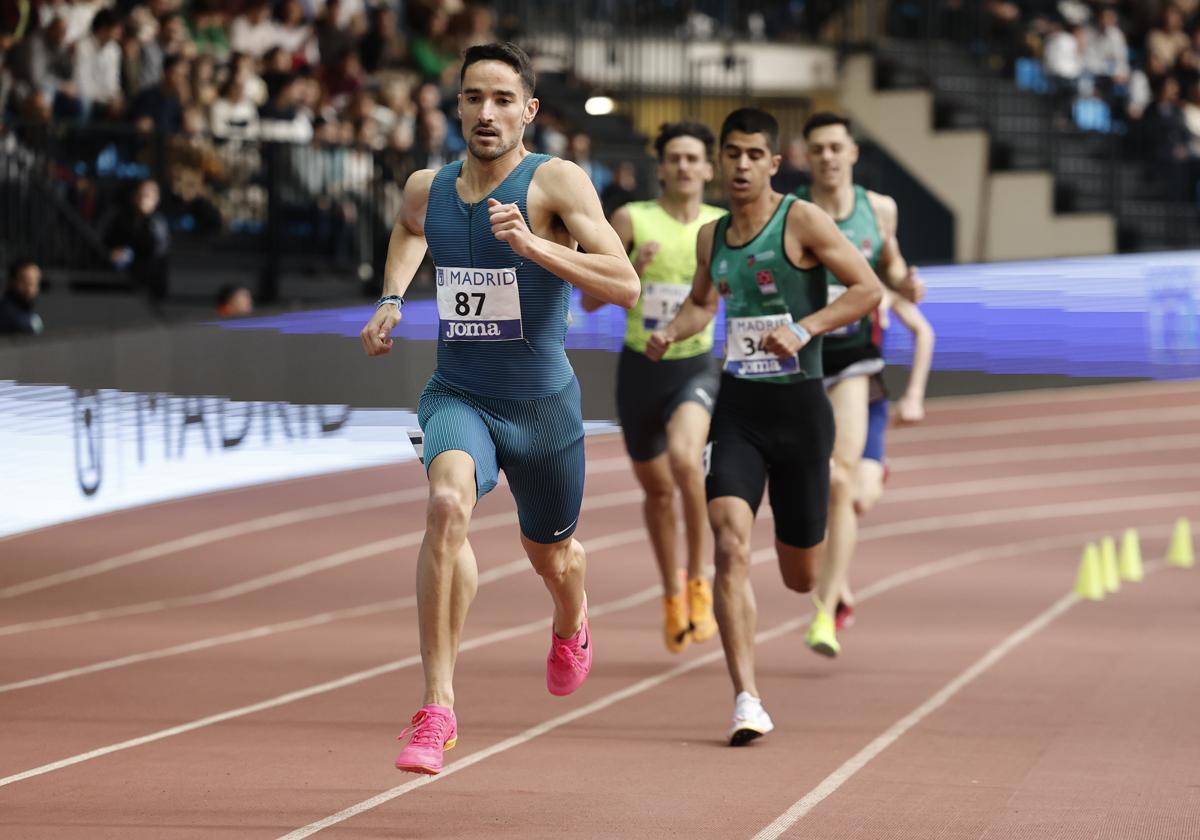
(822, 637)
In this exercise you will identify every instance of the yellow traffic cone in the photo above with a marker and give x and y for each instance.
(1089, 583)
(1181, 554)
(1108, 565)
(1130, 561)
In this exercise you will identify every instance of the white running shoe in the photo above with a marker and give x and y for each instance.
(750, 720)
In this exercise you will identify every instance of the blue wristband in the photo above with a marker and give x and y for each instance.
(801, 333)
(396, 299)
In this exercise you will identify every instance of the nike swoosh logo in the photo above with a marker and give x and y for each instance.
(564, 530)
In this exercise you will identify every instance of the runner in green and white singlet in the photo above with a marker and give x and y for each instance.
(772, 426)
(853, 355)
(664, 407)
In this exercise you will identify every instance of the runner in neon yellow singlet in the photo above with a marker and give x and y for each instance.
(772, 426)
(664, 408)
(853, 355)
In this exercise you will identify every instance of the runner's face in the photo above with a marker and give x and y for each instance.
(494, 109)
(685, 167)
(832, 154)
(747, 164)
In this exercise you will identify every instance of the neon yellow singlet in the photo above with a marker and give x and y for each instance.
(668, 278)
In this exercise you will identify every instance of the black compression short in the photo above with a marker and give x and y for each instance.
(779, 436)
(648, 393)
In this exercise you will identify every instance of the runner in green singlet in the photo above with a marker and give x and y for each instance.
(853, 353)
(772, 426)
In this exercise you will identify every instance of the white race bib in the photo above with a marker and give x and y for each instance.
(835, 292)
(478, 304)
(744, 353)
(661, 302)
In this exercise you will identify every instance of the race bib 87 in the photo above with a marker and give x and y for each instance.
(478, 304)
(744, 353)
(661, 302)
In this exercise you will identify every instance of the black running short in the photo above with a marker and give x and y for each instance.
(649, 392)
(778, 436)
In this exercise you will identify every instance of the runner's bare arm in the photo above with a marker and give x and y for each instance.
(602, 269)
(699, 308)
(817, 234)
(622, 223)
(406, 249)
(894, 270)
(911, 407)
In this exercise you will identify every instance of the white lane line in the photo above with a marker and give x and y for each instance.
(762, 555)
(541, 624)
(1024, 514)
(212, 535)
(880, 587)
(867, 534)
(1051, 397)
(349, 613)
(320, 564)
(1035, 481)
(1021, 425)
(864, 756)
(1051, 452)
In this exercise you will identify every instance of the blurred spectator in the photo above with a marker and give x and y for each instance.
(245, 70)
(1168, 40)
(281, 119)
(253, 32)
(429, 44)
(333, 39)
(139, 240)
(1064, 56)
(43, 65)
(209, 29)
(383, 47)
(98, 68)
(234, 301)
(233, 115)
(1164, 125)
(17, 315)
(78, 15)
(430, 150)
(171, 40)
(579, 150)
(344, 78)
(294, 33)
(195, 169)
(622, 190)
(204, 89)
(1107, 48)
(159, 108)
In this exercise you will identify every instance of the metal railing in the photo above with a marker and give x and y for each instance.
(279, 207)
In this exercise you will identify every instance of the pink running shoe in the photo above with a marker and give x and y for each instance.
(570, 660)
(843, 617)
(434, 730)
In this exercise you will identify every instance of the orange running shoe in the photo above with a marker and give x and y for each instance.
(570, 660)
(677, 630)
(434, 730)
(700, 604)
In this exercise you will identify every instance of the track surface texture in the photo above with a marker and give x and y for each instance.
(238, 665)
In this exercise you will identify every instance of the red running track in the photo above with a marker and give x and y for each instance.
(238, 665)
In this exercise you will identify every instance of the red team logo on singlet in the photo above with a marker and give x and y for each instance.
(766, 281)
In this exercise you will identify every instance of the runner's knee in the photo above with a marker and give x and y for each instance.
(686, 463)
(447, 516)
(558, 562)
(732, 551)
(843, 482)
